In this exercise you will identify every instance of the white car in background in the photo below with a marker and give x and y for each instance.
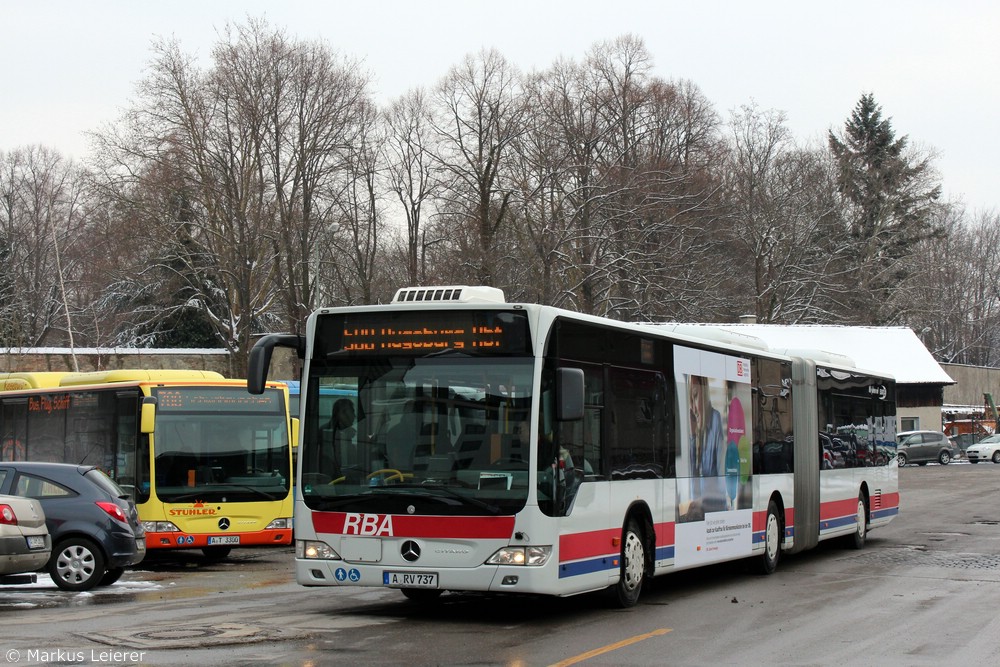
(987, 449)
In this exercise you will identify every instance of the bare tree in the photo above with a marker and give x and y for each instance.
(479, 113)
(356, 244)
(41, 228)
(954, 297)
(239, 168)
(776, 193)
(411, 172)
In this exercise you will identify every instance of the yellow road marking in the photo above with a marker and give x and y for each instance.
(610, 647)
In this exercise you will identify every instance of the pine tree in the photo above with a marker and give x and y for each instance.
(889, 199)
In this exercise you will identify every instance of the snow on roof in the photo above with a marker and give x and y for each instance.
(893, 350)
(141, 351)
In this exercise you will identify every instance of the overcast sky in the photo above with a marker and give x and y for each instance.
(933, 66)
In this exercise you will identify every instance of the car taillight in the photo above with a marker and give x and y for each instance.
(112, 509)
(7, 515)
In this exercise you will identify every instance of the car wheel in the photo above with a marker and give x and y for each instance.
(996, 456)
(944, 458)
(772, 540)
(633, 568)
(76, 564)
(111, 576)
(901, 458)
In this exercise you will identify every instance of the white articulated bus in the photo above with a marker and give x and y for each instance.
(520, 448)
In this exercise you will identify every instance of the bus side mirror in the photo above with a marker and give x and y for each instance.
(147, 418)
(260, 357)
(569, 394)
(295, 432)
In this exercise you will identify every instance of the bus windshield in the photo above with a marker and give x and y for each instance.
(217, 444)
(445, 433)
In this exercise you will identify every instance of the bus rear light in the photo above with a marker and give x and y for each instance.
(314, 550)
(279, 524)
(159, 527)
(112, 509)
(520, 556)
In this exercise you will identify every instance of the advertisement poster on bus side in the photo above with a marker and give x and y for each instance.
(714, 485)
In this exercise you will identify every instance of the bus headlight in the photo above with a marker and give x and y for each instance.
(520, 556)
(279, 524)
(315, 550)
(159, 527)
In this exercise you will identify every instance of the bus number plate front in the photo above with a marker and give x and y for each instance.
(224, 539)
(410, 579)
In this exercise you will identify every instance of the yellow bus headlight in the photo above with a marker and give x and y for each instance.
(159, 527)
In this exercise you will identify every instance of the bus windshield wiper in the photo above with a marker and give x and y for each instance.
(411, 488)
(450, 351)
(216, 488)
(246, 487)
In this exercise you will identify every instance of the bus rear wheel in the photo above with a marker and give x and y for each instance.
(633, 566)
(772, 540)
(860, 534)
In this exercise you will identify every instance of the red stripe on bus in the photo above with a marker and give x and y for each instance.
(402, 525)
(665, 534)
(587, 545)
(179, 539)
(576, 546)
(839, 508)
(760, 519)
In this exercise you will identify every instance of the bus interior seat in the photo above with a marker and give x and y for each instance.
(469, 445)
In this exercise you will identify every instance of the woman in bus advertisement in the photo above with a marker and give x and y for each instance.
(714, 493)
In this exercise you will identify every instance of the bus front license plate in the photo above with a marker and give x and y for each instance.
(410, 579)
(224, 539)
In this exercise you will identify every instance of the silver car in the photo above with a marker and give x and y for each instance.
(25, 544)
(920, 447)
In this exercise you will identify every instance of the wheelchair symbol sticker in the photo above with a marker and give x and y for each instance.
(354, 575)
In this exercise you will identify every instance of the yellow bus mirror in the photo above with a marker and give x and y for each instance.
(295, 432)
(147, 419)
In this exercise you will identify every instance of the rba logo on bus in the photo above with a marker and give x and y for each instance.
(368, 524)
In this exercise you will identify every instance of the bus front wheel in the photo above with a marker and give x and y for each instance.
(633, 566)
(422, 595)
(215, 554)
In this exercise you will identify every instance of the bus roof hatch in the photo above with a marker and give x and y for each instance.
(451, 294)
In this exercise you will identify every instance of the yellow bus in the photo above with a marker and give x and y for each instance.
(208, 465)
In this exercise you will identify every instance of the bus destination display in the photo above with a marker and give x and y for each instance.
(428, 332)
(206, 399)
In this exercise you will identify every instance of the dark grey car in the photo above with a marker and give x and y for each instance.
(93, 523)
(920, 447)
